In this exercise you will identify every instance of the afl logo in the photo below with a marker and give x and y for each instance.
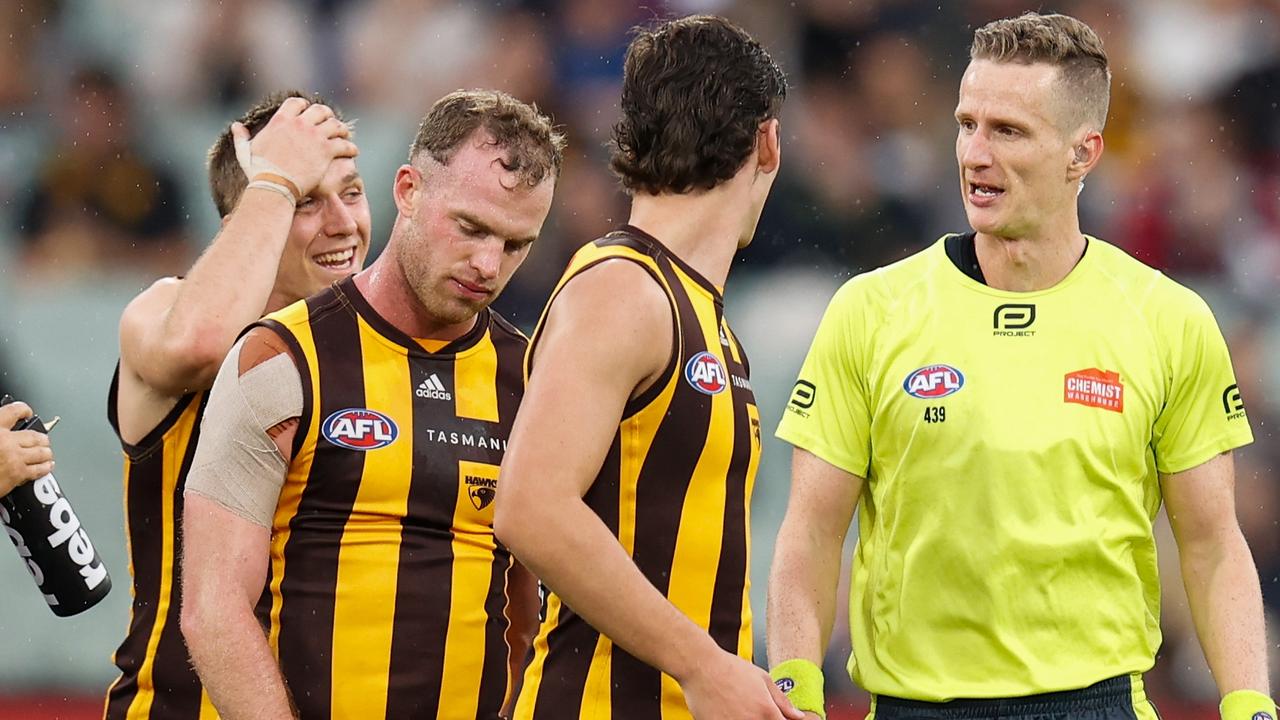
(360, 429)
(706, 374)
(933, 381)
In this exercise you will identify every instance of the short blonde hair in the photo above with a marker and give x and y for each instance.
(1059, 40)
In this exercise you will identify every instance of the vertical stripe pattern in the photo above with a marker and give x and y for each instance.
(156, 679)
(387, 587)
(675, 489)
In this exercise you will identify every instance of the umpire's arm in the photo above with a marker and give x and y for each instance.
(806, 558)
(1218, 573)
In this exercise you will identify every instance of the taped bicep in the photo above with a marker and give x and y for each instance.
(237, 463)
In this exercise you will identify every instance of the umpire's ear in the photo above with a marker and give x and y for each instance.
(1085, 155)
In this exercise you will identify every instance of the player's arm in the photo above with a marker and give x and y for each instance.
(231, 495)
(1219, 574)
(225, 568)
(806, 560)
(174, 335)
(608, 333)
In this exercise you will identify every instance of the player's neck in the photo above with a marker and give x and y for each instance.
(1031, 263)
(388, 292)
(702, 227)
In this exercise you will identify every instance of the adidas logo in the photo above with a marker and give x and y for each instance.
(433, 389)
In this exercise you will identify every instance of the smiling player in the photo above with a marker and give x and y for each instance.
(294, 220)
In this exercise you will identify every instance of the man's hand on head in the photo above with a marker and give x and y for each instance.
(293, 151)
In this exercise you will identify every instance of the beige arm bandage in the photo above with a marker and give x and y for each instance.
(237, 464)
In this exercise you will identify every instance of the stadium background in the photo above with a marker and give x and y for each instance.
(107, 108)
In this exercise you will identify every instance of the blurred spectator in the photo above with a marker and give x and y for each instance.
(21, 56)
(403, 54)
(522, 58)
(1230, 38)
(590, 43)
(835, 209)
(1250, 109)
(98, 201)
(1181, 220)
(19, 22)
(215, 54)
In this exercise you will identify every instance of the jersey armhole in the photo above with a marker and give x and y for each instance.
(304, 376)
(651, 393)
(644, 399)
(154, 439)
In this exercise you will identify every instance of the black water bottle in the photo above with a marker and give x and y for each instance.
(51, 542)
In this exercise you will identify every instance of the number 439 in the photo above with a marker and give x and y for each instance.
(935, 414)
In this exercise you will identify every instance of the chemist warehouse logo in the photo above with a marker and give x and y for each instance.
(360, 429)
(1094, 388)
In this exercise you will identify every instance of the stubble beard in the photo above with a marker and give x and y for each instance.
(433, 295)
(431, 288)
(445, 310)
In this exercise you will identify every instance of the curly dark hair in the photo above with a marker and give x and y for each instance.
(226, 180)
(694, 92)
(535, 147)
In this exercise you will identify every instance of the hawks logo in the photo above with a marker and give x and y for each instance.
(933, 381)
(480, 483)
(481, 490)
(706, 374)
(360, 429)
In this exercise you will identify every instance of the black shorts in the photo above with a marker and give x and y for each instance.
(1112, 699)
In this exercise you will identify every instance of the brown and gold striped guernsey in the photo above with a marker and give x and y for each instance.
(387, 592)
(156, 679)
(675, 489)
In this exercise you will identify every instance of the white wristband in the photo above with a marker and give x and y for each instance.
(277, 187)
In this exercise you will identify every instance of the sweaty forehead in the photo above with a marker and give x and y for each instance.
(478, 163)
(477, 167)
(476, 184)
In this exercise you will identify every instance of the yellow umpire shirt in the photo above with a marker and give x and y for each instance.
(1011, 445)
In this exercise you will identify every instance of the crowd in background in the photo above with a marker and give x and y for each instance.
(107, 108)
